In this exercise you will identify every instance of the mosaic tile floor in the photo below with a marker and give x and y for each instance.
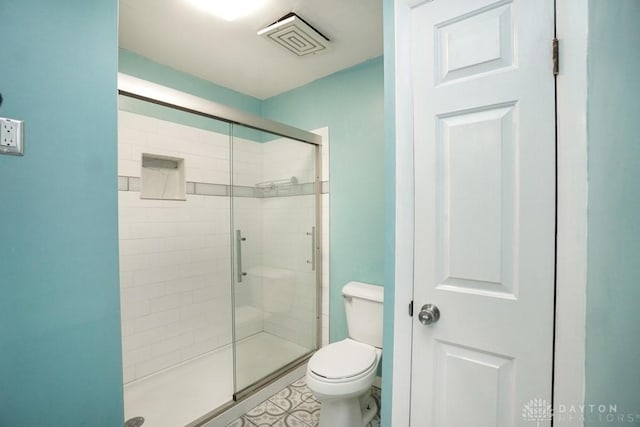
(293, 406)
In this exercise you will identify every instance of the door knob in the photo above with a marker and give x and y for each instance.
(429, 314)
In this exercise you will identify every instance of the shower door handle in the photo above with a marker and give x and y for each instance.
(239, 239)
(313, 248)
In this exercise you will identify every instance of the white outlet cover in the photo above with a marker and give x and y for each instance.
(11, 136)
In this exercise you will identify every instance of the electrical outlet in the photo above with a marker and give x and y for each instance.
(11, 136)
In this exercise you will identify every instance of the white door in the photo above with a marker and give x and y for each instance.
(484, 141)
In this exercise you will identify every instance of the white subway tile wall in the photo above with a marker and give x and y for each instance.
(176, 288)
(175, 256)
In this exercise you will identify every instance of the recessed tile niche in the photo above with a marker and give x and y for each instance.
(162, 178)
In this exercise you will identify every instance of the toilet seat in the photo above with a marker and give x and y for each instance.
(343, 361)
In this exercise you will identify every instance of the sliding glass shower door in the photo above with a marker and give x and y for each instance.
(274, 251)
(219, 258)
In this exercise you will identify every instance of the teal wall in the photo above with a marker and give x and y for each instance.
(613, 281)
(60, 359)
(139, 66)
(389, 208)
(350, 103)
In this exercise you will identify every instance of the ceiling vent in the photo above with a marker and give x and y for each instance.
(296, 35)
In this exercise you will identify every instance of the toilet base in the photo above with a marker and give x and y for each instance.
(355, 411)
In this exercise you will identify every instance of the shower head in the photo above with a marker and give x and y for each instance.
(296, 35)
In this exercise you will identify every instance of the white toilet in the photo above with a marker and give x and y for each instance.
(340, 375)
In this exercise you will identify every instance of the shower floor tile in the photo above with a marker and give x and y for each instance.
(293, 406)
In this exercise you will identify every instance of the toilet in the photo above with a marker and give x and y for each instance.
(340, 375)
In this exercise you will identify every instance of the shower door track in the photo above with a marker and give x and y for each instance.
(248, 391)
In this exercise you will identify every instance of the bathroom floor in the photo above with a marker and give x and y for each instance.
(293, 406)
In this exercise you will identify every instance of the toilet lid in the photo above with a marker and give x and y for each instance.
(342, 359)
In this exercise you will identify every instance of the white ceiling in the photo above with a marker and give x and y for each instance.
(175, 33)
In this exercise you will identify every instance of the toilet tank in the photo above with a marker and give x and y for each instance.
(363, 305)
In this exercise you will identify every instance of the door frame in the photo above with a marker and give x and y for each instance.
(571, 254)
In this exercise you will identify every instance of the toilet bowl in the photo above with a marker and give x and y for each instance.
(340, 375)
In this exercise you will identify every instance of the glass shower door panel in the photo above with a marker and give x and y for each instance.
(274, 218)
(175, 261)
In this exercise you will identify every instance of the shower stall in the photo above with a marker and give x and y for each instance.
(219, 219)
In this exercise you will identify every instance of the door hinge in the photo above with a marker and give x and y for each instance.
(411, 309)
(556, 59)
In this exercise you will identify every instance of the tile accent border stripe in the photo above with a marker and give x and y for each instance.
(132, 183)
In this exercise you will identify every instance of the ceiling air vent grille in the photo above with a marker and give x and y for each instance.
(296, 35)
